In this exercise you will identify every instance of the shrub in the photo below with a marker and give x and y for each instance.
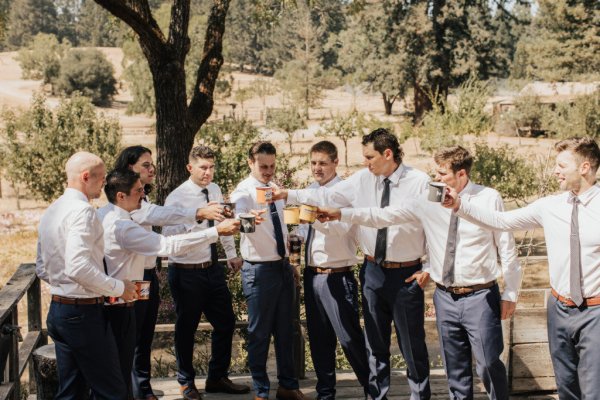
(87, 72)
(39, 141)
(286, 120)
(41, 59)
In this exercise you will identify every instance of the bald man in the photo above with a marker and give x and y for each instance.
(69, 259)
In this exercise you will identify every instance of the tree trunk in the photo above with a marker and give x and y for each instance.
(346, 153)
(422, 103)
(388, 102)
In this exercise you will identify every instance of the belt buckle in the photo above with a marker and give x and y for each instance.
(458, 290)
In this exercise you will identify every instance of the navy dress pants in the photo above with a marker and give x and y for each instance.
(270, 291)
(196, 292)
(146, 313)
(86, 353)
(122, 323)
(388, 298)
(331, 302)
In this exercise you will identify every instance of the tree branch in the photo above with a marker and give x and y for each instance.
(201, 104)
(137, 14)
(178, 28)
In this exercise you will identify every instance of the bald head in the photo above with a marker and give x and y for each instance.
(85, 172)
(80, 162)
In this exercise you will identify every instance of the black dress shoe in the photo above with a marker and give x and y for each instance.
(224, 385)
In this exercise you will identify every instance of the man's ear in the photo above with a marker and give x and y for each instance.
(85, 176)
(189, 168)
(585, 167)
(388, 154)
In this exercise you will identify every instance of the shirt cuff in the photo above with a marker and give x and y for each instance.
(292, 197)
(190, 214)
(347, 214)
(230, 254)
(118, 289)
(510, 295)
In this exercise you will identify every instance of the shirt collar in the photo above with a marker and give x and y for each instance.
(585, 197)
(332, 182)
(197, 189)
(77, 194)
(256, 182)
(121, 213)
(395, 176)
(467, 190)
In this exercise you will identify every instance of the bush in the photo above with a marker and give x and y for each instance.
(38, 142)
(581, 118)
(286, 120)
(87, 72)
(41, 59)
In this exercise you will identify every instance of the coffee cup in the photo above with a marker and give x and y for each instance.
(247, 223)
(264, 194)
(228, 209)
(308, 214)
(291, 215)
(143, 289)
(436, 192)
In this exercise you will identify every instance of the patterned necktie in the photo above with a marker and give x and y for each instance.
(575, 270)
(449, 257)
(381, 243)
(214, 257)
(278, 230)
(309, 238)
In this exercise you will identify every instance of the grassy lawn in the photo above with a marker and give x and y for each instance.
(17, 248)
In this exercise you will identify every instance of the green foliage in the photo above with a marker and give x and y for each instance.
(87, 72)
(287, 120)
(449, 120)
(561, 44)
(242, 95)
(27, 18)
(345, 127)
(41, 59)
(38, 142)
(514, 177)
(97, 27)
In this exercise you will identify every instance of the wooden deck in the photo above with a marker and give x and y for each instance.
(347, 388)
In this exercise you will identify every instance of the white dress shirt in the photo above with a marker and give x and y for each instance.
(70, 249)
(477, 249)
(189, 195)
(127, 244)
(553, 213)
(405, 242)
(153, 215)
(261, 244)
(333, 244)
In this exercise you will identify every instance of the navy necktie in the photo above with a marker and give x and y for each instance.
(381, 243)
(214, 257)
(309, 237)
(278, 230)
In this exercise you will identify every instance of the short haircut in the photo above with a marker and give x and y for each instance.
(120, 180)
(383, 139)
(261, 147)
(201, 152)
(457, 156)
(326, 147)
(584, 147)
(129, 156)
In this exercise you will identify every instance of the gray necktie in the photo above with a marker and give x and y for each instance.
(575, 275)
(448, 271)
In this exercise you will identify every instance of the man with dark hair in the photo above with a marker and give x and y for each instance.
(391, 277)
(463, 263)
(570, 222)
(330, 288)
(69, 259)
(268, 280)
(139, 159)
(199, 286)
(126, 246)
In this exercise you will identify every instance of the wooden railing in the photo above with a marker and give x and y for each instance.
(19, 348)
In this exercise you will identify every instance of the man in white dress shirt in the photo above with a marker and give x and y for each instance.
(570, 221)
(199, 286)
(268, 281)
(139, 159)
(69, 258)
(126, 247)
(330, 288)
(463, 263)
(392, 279)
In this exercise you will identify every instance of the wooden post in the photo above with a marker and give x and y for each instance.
(46, 372)
(34, 323)
(13, 358)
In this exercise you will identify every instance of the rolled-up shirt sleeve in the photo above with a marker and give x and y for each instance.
(40, 267)
(375, 217)
(152, 214)
(515, 220)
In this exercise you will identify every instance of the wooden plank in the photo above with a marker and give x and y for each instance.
(531, 361)
(527, 385)
(529, 326)
(6, 390)
(15, 289)
(533, 298)
(30, 342)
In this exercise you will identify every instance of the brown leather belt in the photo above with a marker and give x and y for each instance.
(203, 265)
(79, 301)
(126, 304)
(589, 302)
(465, 289)
(318, 270)
(394, 264)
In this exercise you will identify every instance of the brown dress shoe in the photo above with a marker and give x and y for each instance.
(290, 394)
(224, 385)
(190, 392)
